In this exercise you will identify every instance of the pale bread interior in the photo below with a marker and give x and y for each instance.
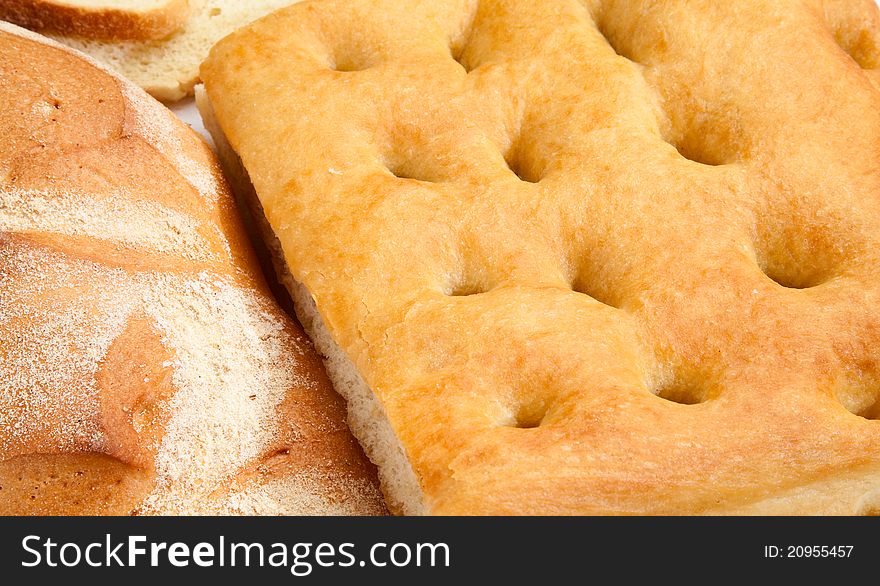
(168, 68)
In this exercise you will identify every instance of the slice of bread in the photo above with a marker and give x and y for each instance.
(106, 20)
(169, 68)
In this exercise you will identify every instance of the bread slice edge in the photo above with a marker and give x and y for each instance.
(366, 415)
(99, 23)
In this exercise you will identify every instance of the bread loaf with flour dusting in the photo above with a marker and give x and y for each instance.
(144, 365)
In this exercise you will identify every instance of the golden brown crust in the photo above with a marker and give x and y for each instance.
(106, 24)
(615, 256)
(65, 484)
(145, 366)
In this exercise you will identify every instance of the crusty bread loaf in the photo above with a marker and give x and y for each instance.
(107, 20)
(614, 256)
(146, 367)
(169, 68)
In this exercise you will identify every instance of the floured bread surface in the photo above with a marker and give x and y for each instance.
(588, 257)
(145, 366)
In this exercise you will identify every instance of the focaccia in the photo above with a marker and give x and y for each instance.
(577, 257)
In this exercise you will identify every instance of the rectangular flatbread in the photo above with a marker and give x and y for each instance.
(580, 257)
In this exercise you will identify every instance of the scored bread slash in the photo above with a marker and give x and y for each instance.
(106, 20)
(582, 257)
(146, 367)
(168, 68)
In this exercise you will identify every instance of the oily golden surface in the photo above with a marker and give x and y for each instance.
(82, 426)
(593, 257)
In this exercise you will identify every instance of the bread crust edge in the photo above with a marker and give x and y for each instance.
(105, 24)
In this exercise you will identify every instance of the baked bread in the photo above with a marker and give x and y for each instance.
(169, 68)
(145, 366)
(115, 20)
(611, 256)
